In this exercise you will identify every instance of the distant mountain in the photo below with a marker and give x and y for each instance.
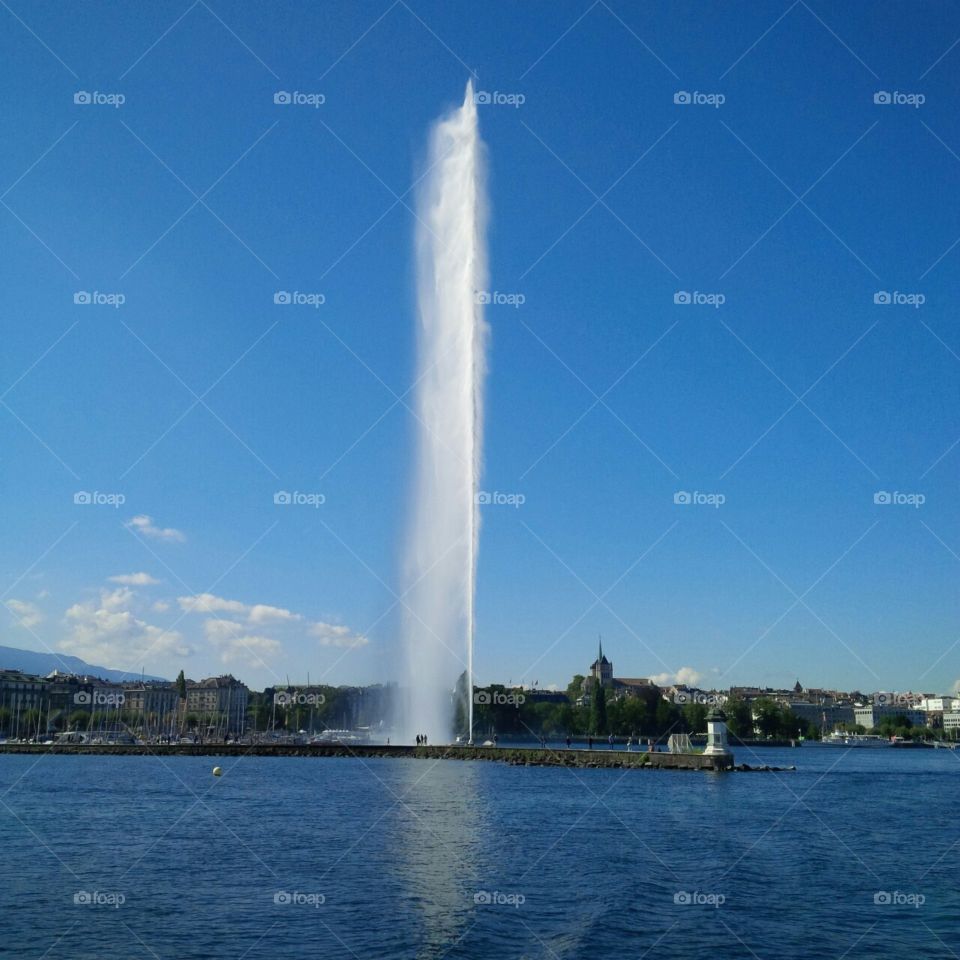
(29, 661)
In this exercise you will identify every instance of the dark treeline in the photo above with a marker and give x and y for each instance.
(504, 711)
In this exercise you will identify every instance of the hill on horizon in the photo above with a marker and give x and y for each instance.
(30, 661)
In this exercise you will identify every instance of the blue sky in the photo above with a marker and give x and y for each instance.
(797, 399)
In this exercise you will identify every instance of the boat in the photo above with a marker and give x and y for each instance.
(840, 739)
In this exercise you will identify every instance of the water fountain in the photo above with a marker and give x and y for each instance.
(440, 570)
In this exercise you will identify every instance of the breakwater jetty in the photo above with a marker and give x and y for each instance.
(517, 756)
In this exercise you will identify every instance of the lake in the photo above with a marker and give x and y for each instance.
(854, 854)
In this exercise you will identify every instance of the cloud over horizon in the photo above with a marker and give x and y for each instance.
(106, 630)
(28, 614)
(144, 525)
(134, 579)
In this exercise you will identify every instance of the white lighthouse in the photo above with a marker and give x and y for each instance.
(717, 745)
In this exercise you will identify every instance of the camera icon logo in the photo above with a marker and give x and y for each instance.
(882, 898)
(682, 497)
(681, 696)
(881, 96)
(481, 96)
(882, 297)
(482, 697)
(282, 296)
(82, 297)
(483, 497)
(282, 96)
(481, 296)
(482, 896)
(82, 96)
(682, 897)
(682, 296)
(83, 697)
(82, 497)
(881, 497)
(82, 897)
(281, 896)
(281, 698)
(682, 96)
(282, 498)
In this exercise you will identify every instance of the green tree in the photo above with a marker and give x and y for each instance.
(739, 717)
(598, 710)
(665, 718)
(695, 717)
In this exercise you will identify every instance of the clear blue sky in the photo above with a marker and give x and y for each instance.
(797, 399)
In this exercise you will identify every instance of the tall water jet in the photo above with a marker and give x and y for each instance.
(441, 559)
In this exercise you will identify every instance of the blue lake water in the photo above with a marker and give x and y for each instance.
(153, 857)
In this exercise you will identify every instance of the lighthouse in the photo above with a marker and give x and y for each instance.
(717, 734)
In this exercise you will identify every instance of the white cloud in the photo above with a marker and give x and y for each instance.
(684, 676)
(255, 613)
(26, 613)
(144, 525)
(262, 612)
(235, 645)
(116, 599)
(329, 635)
(208, 603)
(105, 632)
(332, 635)
(134, 579)
(161, 606)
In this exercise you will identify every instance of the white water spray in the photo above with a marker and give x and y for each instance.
(442, 553)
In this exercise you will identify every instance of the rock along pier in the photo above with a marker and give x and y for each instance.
(517, 756)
